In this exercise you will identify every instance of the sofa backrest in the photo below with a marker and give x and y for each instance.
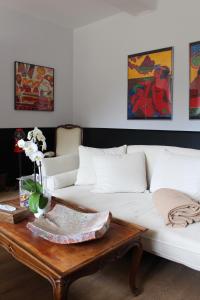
(152, 153)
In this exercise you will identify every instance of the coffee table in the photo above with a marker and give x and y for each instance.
(63, 264)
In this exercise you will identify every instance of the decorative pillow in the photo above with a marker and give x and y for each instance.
(86, 173)
(120, 173)
(178, 172)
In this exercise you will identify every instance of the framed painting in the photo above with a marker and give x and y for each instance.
(34, 87)
(150, 78)
(194, 69)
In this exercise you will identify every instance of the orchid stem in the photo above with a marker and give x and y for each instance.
(34, 168)
(40, 166)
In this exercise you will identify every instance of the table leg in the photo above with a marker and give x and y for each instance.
(136, 258)
(60, 289)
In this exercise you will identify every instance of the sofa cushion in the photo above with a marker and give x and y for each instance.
(86, 173)
(178, 172)
(181, 245)
(120, 173)
(152, 153)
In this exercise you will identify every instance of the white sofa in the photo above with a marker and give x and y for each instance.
(181, 245)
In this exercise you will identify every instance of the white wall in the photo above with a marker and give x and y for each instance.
(100, 64)
(28, 39)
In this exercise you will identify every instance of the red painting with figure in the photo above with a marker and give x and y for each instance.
(194, 109)
(34, 87)
(150, 84)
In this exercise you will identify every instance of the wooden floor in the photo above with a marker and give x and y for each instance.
(159, 278)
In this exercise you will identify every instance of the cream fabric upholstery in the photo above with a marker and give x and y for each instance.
(86, 172)
(153, 152)
(120, 173)
(60, 164)
(181, 245)
(177, 171)
(68, 140)
(61, 180)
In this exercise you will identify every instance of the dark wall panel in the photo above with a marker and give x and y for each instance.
(106, 137)
(93, 137)
(9, 161)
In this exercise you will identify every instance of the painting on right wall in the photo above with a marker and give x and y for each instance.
(194, 104)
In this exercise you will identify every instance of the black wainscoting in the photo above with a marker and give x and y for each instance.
(93, 137)
(106, 137)
(9, 160)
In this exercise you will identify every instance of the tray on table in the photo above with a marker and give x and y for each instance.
(64, 225)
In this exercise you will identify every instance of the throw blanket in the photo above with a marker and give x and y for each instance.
(177, 209)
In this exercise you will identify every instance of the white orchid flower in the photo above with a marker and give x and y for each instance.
(36, 156)
(40, 136)
(37, 135)
(44, 145)
(30, 135)
(21, 143)
(30, 147)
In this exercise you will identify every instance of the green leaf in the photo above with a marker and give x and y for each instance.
(43, 201)
(34, 202)
(38, 187)
(28, 185)
(32, 186)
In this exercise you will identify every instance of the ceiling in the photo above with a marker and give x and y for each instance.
(77, 13)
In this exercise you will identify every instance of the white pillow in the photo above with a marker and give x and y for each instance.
(86, 173)
(120, 173)
(178, 172)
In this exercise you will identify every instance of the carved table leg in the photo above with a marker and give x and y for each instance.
(136, 258)
(60, 289)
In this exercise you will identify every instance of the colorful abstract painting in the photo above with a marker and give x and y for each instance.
(150, 84)
(34, 87)
(194, 106)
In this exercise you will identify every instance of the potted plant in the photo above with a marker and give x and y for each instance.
(37, 198)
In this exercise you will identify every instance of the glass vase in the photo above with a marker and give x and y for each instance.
(23, 193)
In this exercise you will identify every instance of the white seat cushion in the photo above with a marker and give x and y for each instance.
(181, 245)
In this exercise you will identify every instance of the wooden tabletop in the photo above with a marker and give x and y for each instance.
(65, 259)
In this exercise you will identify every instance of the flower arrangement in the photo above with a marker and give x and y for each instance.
(33, 147)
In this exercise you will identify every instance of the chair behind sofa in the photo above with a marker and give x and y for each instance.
(68, 139)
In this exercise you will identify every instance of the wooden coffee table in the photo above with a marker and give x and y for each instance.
(63, 264)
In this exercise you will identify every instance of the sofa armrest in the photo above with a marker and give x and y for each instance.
(61, 180)
(60, 164)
